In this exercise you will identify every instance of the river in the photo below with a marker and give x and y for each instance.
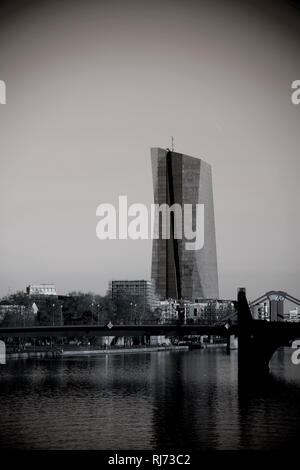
(161, 400)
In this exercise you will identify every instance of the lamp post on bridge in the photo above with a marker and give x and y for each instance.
(22, 311)
(99, 309)
(53, 305)
(92, 307)
(132, 304)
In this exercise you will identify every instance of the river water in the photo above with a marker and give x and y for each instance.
(161, 400)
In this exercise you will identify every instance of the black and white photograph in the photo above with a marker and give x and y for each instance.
(149, 229)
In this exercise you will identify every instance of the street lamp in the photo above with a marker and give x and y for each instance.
(131, 304)
(92, 305)
(23, 315)
(135, 313)
(185, 313)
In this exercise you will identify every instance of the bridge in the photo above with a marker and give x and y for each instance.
(276, 303)
(117, 330)
(257, 339)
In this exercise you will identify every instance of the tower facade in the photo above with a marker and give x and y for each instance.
(177, 272)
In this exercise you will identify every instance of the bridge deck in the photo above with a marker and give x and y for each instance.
(261, 327)
(116, 330)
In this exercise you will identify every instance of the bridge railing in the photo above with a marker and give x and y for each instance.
(203, 321)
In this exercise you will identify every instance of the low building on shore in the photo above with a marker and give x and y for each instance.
(41, 289)
(292, 315)
(167, 311)
(209, 311)
(260, 311)
(7, 307)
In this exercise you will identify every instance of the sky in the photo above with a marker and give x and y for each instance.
(93, 85)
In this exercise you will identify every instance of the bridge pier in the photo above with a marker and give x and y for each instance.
(2, 352)
(255, 345)
(232, 342)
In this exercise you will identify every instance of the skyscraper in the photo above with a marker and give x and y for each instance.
(176, 271)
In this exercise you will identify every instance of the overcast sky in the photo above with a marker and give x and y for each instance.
(91, 86)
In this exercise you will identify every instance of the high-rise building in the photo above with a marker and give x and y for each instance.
(178, 272)
(140, 291)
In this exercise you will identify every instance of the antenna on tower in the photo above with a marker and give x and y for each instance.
(172, 143)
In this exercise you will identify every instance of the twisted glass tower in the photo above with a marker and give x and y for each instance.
(179, 273)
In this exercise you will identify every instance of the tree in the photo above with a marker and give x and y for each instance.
(87, 308)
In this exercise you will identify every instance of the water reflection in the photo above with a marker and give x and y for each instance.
(166, 400)
(269, 407)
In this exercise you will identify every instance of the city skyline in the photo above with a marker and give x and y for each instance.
(149, 229)
(85, 105)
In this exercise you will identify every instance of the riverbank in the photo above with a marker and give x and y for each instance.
(90, 352)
